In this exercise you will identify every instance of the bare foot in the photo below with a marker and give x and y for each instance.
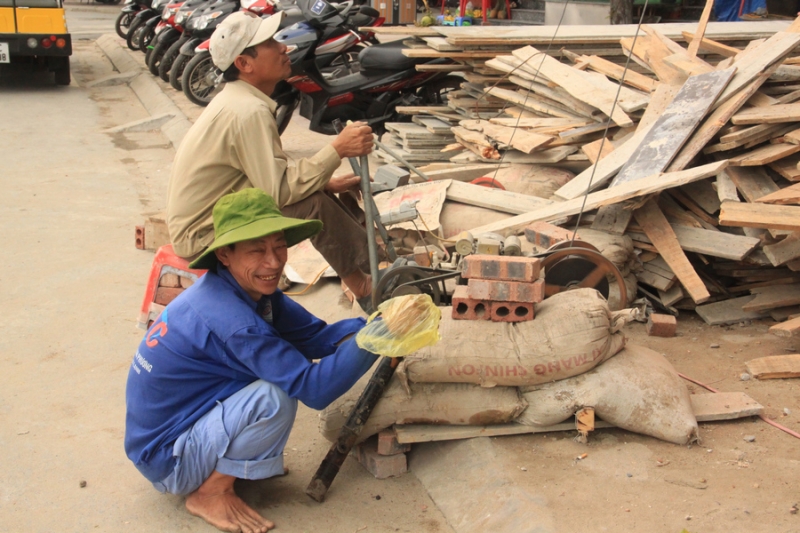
(216, 503)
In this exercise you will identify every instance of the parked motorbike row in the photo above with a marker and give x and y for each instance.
(338, 71)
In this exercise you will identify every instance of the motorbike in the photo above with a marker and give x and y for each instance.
(386, 78)
(199, 28)
(164, 48)
(125, 17)
(336, 51)
(142, 29)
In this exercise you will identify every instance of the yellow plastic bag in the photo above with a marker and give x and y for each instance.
(409, 323)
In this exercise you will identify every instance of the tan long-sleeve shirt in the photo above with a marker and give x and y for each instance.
(235, 145)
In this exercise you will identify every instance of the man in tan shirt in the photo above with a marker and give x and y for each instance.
(235, 144)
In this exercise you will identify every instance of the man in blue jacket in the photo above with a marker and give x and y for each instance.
(213, 388)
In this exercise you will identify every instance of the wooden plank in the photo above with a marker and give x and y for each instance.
(768, 115)
(597, 150)
(593, 89)
(612, 218)
(751, 63)
(651, 51)
(613, 70)
(555, 96)
(755, 215)
(519, 139)
(497, 199)
(790, 328)
(597, 175)
(726, 190)
(531, 104)
(674, 126)
(715, 121)
(724, 406)
(728, 312)
(688, 65)
(705, 219)
(783, 251)
(765, 154)
(458, 172)
(775, 366)
(774, 296)
(704, 195)
(674, 295)
(714, 47)
(559, 124)
(715, 243)
(788, 167)
(787, 195)
(440, 44)
(661, 234)
(442, 68)
(752, 183)
(651, 184)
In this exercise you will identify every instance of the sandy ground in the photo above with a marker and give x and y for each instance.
(70, 289)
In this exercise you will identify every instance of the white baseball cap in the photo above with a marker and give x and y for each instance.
(238, 31)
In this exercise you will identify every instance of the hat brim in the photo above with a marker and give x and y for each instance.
(268, 27)
(294, 231)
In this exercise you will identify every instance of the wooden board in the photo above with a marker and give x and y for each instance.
(768, 115)
(497, 199)
(704, 195)
(673, 128)
(783, 251)
(788, 167)
(728, 312)
(536, 105)
(765, 154)
(613, 70)
(661, 234)
(775, 366)
(521, 140)
(774, 296)
(651, 184)
(724, 406)
(456, 172)
(752, 62)
(790, 328)
(598, 149)
(756, 215)
(787, 195)
(708, 45)
(715, 243)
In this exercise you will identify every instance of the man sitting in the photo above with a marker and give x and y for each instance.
(213, 388)
(235, 144)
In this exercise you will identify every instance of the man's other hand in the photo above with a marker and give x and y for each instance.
(355, 140)
(343, 183)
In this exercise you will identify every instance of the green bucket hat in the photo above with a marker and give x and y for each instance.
(251, 214)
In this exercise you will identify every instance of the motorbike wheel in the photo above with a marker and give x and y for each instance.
(155, 56)
(199, 79)
(176, 72)
(123, 24)
(134, 36)
(168, 61)
(434, 93)
(147, 38)
(283, 115)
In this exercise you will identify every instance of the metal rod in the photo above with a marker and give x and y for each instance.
(371, 215)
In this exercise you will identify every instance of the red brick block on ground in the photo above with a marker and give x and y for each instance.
(545, 235)
(501, 267)
(139, 237)
(661, 325)
(388, 445)
(165, 295)
(511, 311)
(380, 466)
(465, 308)
(170, 279)
(506, 291)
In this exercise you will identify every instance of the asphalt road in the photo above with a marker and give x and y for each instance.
(90, 20)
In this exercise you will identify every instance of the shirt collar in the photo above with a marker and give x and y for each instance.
(226, 275)
(243, 86)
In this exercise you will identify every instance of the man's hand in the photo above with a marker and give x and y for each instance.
(354, 141)
(344, 183)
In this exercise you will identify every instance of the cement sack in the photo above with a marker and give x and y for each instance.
(637, 390)
(572, 332)
(425, 403)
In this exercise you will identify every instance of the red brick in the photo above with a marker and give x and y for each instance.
(506, 291)
(661, 325)
(170, 279)
(388, 445)
(139, 234)
(185, 282)
(511, 311)
(503, 268)
(465, 308)
(165, 295)
(380, 466)
(545, 235)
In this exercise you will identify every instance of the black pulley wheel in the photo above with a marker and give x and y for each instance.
(404, 280)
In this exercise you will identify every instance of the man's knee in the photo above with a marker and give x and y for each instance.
(271, 402)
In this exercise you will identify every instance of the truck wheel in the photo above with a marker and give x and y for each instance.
(60, 66)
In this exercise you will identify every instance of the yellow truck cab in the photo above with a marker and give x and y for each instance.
(35, 31)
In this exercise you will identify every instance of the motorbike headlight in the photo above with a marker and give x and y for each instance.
(203, 22)
(182, 16)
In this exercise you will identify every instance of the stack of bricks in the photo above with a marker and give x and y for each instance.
(499, 288)
(170, 285)
(382, 455)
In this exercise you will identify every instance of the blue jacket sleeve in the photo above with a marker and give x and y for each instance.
(308, 334)
(277, 361)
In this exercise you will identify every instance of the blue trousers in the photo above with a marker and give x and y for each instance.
(242, 436)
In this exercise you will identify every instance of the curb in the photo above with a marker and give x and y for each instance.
(146, 89)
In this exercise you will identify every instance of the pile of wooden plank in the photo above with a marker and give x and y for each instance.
(694, 157)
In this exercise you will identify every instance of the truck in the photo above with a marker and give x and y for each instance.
(35, 32)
